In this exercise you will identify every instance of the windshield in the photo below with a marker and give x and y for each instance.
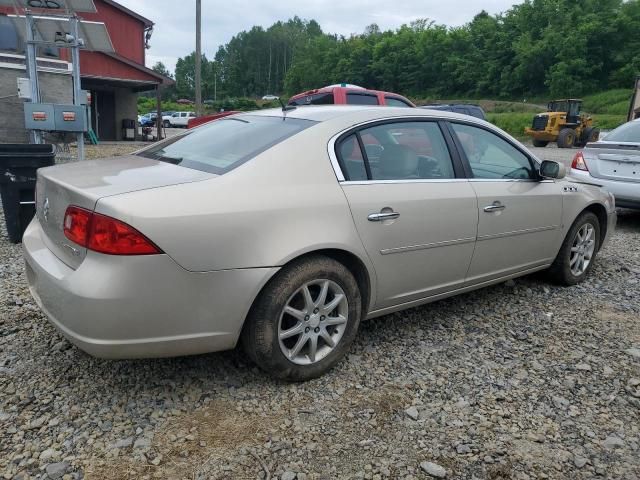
(629, 132)
(222, 145)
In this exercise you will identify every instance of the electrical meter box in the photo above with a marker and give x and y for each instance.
(53, 117)
(39, 116)
(70, 118)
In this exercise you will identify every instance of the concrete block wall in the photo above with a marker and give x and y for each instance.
(54, 88)
(126, 108)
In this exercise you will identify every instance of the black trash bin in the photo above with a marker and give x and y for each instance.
(18, 165)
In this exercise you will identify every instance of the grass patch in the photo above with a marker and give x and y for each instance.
(512, 123)
(610, 102)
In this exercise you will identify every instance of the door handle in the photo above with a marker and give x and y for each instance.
(381, 217)
(496, 207)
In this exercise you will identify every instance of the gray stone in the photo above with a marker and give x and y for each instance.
(142, 443)
(124, 442)
(288, 475)
(612, 442)
(412, 413)
(634, 352)
(57, 470)
(433, 469)
(579, 461)
(48, 454)
(463, 449)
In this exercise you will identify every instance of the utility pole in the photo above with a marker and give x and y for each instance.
(198, 57)
(77, 89)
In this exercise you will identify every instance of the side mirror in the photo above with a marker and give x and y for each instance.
(549, 169)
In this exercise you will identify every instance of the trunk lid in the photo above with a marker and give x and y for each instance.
(84, 183)
(613, 160)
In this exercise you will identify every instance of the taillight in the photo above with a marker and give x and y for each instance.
(104, 234)
(579, 163)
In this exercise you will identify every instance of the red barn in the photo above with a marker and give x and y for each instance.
(114, 79)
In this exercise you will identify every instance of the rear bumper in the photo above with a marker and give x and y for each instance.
(627, 193)
(139, 306)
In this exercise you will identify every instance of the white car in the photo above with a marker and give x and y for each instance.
(178, 120)
(270, 97)
(613, 163)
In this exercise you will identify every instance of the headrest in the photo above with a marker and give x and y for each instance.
(398, 161)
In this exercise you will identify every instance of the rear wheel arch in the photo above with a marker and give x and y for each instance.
(350, 260)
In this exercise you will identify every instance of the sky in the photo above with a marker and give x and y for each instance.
(174, 31)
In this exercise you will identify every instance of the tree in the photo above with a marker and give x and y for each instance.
(536, 48)
(160, 68)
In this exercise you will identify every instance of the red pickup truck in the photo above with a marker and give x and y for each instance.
(346, 94)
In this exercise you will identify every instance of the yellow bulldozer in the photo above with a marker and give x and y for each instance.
(564, 123)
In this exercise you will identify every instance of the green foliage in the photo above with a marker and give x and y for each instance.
(536, 49)
(613, 102)
(148, 104)
(512, 123)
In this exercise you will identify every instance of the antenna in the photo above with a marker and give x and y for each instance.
(286, 108)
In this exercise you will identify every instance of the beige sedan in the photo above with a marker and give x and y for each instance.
(285, 229)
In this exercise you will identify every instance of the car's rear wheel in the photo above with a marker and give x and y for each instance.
(578, 252)
(540, 143)
(304, 320)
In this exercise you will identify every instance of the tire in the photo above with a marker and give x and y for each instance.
(590, 135)
(561, 270)
(166, 124)
(566, 138)
(267, 319)
(540, 143)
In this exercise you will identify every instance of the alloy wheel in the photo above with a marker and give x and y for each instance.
(313, 321)
(582, 249)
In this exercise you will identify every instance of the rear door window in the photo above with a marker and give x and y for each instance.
(402, 151)
(221, 146)
(361, 99)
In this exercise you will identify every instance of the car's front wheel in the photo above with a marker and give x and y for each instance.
(304, 320)
(578, 252)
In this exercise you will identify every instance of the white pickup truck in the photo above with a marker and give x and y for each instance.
(178, 120)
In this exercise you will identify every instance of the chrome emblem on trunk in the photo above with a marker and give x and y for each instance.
(45, 210)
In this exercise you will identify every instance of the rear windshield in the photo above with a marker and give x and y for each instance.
(222, 145)
(316, 99)
(629, 132)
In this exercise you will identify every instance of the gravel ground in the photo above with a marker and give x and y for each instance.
(523, 380)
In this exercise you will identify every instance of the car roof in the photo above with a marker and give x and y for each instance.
(323, 113)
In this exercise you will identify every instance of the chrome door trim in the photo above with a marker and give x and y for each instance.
(413, 248)
(525, 180)
(517, 232)
(334, 158)
(391, 182)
